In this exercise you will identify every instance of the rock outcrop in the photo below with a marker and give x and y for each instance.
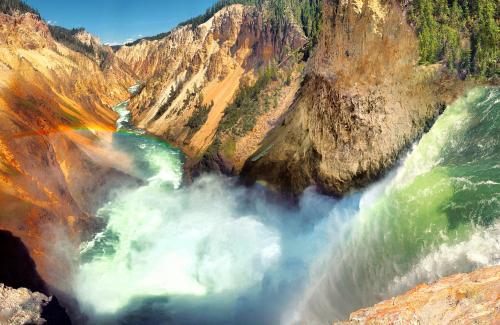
(363, 100)
(21, 306)
(20, 272)
(459, 299)
(338, 124)
(55, 135)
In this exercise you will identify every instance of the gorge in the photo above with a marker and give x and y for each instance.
(249, 168)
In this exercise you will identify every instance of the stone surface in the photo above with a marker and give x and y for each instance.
(458, 299)
(56, 128)
(338, 128)
(209, 62)
(21, 306)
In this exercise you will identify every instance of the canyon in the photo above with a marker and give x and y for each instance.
(230, 49)
(240, 94)
(328, 129)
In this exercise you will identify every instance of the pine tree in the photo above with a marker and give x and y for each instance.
(9, 7)
(487, 34)
(462, 33)
(428, 36)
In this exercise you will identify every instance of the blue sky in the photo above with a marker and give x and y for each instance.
(118, 21)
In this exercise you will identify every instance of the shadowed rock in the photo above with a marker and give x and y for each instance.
(18, 270)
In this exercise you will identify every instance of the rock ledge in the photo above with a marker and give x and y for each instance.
(21, 306)
(472, 298)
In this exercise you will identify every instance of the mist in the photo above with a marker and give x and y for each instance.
(211, 252)
(229, 252)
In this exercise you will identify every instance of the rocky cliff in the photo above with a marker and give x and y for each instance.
(21, 306)
(55, 133)
(24, 296)
(363, 100)
(459, 299)
(236, 93)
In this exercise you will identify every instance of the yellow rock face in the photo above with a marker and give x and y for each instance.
(363, 100)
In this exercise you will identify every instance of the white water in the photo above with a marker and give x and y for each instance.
(188, 242)
(212, 243)
(482, 249)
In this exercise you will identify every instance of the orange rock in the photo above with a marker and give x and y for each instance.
(459, 299)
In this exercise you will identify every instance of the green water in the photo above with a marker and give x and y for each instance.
(447, 188)
(162, 240)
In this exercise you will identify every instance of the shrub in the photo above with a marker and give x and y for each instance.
(241, 115)
(147, 38)
(174, 92)
(68, 39)
(200, 115)
(308, 13)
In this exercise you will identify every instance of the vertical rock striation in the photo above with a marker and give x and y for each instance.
(193, 68)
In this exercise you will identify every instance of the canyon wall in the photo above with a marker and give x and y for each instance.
(235, 93)
(55, 135)
(337, 121)
(195, 72)
(24, 296)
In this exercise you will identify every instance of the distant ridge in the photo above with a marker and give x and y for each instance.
(306, 12)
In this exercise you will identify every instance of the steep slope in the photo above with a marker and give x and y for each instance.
(55, 134)
(459, 299)
(363, 100)
(195, 72)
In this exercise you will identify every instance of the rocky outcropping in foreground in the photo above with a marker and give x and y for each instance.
(25, 305)
(472, 298)
(21, 306)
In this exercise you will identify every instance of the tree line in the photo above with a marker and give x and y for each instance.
(307, 13)
(60, 34)
(465, 34)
